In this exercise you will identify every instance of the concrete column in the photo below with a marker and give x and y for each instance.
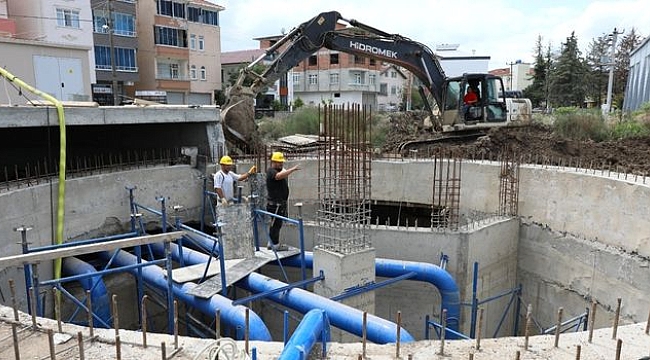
(237, 231)
(344, 271)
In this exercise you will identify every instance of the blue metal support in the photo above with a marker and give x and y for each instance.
(170, 288)
(517, 312)
(285, 330)
(54, 282)
(505, 313)
(280, 289)
(27, 268)
(132, 206)
(438, 328)
(163, 213)
(36, 286)
(474, 310)
(301, 237)
(139, 282)
(372, 286)
(81, 305)
(180, 241)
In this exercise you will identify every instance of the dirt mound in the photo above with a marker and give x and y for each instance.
(534, 143)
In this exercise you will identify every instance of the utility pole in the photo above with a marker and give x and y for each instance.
(612, 63)
(111, 30)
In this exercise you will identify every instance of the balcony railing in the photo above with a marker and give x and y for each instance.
(117, 68)
(168, 76)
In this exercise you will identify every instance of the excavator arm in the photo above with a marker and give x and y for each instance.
(321, 32)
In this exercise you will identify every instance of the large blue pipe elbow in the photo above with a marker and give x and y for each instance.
(433, 274)
(234, 316)
(313, 327)
(98, 293)
(379, 331)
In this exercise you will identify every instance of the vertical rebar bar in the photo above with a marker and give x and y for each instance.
(57, 308)
(163, 350)
(616, 317)
(144, 320)
(14, 303)
(529, 317)
(80, 344)
(14, 336)
(50, 341)
(89, 305)
(176, 324)
(116, 320)
(480, 329)
(592, 320)
(558, 326)
(619, 347)
(364, 333)
(32, 295)
(443, 331)
(399, 329)
(578, 351)
(118, 348)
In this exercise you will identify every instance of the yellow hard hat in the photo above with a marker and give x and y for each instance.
(225, 160)
(277, 157)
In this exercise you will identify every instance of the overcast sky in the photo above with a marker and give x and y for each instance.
(505, 30)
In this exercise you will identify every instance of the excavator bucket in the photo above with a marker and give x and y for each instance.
(238, 119)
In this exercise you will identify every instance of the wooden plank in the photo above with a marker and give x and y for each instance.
(23, 259)
(195, 272)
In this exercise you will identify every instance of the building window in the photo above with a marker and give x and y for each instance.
(313, 79)
(383, 89)
(193, 72)
(124, 24)
(125, 59)
(393, 74)
(313, 60)
(393, 90)
(193, 42)
(171, 8)
(334, 79)
(373, 62)
(204, 73)
(297, 78)
(334, 59)
(174, 72)
(67, 18)
(359, 60)
(170, 36)
(201, 43)
(372, 79)
(357, 78)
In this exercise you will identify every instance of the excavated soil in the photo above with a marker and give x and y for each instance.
(535, 143)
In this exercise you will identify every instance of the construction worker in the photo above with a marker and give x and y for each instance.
(277, 189)
(224, 180)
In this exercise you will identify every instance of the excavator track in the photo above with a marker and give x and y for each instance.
(459, 137)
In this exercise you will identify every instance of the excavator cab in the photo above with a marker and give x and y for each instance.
(489, 109)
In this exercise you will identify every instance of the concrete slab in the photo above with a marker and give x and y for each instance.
(195, 272)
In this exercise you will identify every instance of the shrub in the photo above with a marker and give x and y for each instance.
(628, 129)
(580, 124)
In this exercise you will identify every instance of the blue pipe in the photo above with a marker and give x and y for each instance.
(379, 331)
(234, 316)
(433, 274)
(98, 292)
(314, 326)
(344, 317)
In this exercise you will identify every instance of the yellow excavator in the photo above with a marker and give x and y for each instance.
(453, 118)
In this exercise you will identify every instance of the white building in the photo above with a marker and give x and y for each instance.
(637, 90)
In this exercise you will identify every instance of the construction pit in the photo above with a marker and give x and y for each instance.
(491, 251)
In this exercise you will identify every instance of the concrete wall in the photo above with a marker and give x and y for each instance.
(95, 206)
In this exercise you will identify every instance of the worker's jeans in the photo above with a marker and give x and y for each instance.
(278, 208)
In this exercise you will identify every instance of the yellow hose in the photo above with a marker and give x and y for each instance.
(60, 213)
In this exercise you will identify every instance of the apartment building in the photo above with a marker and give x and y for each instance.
(179, 50)
(114, 36)
(393, 87)
(49, 43)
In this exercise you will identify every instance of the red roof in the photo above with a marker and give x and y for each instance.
(240, 56)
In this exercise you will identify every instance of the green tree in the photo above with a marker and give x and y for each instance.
(536, 91)
(596, 59)
(257, 68)
(627, 44)
(567, 86)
